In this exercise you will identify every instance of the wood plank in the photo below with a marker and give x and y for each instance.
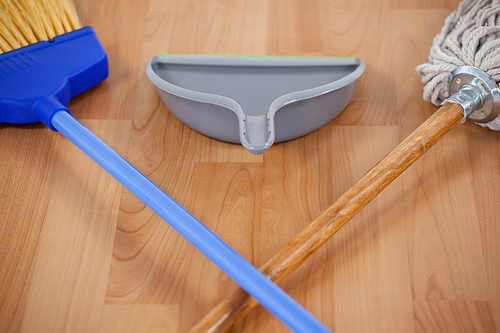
(424, 4)
(453, 316)
(160, 318)
(74, 252)
(25, 188)
(296, 28)
(445, 248)
(484, 150)
(206, 27)
(234, 191)
(120, 29)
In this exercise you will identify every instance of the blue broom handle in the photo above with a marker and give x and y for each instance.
(266, 292)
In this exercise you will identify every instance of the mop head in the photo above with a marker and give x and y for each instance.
(471, 37)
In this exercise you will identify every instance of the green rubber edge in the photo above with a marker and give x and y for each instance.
(248, 56)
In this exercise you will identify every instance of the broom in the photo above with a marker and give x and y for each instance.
(463, 72)
(46, 59)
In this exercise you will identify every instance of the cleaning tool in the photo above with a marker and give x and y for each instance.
(463, 72)
(251, 99)
(47, 59)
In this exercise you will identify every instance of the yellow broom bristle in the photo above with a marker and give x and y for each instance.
(24, 22)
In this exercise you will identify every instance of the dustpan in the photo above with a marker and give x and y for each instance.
(255, 101)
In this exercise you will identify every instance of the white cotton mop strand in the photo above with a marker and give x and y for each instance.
(470, 37)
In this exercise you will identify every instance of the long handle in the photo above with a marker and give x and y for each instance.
(296, 251)
(234, 265)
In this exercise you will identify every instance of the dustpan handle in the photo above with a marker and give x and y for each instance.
(234, 265)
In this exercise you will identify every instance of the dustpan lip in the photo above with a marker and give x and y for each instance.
(190, 94)
(238, 60)
(301, 95)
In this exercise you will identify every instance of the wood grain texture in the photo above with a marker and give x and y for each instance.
(126, 318)
(28, 187)
(80, 254)
(453, 316)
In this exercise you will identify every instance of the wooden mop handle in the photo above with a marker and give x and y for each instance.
(317, 232)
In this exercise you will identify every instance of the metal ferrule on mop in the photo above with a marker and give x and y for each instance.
(476, 92)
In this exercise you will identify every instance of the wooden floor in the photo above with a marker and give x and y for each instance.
(78, 253)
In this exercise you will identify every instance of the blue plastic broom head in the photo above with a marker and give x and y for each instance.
(40, 79)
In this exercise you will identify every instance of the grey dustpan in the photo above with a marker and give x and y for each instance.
(254, 100)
